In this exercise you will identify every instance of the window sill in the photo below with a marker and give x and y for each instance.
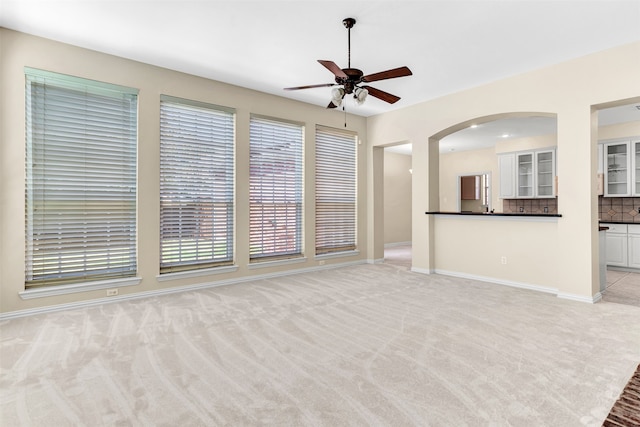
(264, 264)
(51, 291)
(197, 273)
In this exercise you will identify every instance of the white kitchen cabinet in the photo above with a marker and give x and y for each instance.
(528, 174)
(507, 167)
(600, 158)
(525, 175)
(633, 245)
(635, 162)
(545, 168)
(617, 245)
(617, 178)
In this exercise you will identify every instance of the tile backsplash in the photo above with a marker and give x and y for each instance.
(616, 209)
(536, 206)
(619, 209)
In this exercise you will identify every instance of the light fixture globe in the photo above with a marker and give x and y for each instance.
(337, 93)
(360, 95)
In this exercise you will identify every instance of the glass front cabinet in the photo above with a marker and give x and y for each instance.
(524, 164)
(617, 178)
(545, 173)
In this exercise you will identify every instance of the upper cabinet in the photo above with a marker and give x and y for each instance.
(525, 175)
(545, 173)
(507, 167)
(528, 174)
(622, 168)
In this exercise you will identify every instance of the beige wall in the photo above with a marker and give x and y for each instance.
(568, 247)
(621, 130)
(456, 164)
(397, 198)
(19, 50)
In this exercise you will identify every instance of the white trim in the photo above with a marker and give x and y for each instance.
(498, 281)
(581, 298)
(167, 291)
(196, 273)
(275, 263)
(375, 261)
(51, 291)
(337, 254)
(391, 245)
(422, 270)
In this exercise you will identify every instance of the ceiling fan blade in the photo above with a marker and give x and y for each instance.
(331, 66)
(389, 74)
(309, 86)
(332, 105)
(380, 94)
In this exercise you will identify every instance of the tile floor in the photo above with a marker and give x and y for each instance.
(623, 287)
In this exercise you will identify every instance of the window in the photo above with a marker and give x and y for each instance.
(196, 185)
(80, 180)
(275, 208)
(335, 191)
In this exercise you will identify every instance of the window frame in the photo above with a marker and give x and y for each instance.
(79, 234)
(265, 227)
(212, 188)
(336, 227)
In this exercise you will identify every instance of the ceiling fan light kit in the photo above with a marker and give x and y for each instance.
(350, 80)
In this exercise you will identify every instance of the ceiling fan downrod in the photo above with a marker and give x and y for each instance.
(349, 23)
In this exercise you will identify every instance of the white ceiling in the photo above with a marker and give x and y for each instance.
(450, 45)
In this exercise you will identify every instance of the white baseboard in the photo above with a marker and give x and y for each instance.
(391, 245)
(499, 281)
(422, 270)
(581, 298)
(375, 261)
(166, 291)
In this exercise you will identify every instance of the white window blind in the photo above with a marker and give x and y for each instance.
(275, 208)
(335, 191)
(80, 180)
(196, 185)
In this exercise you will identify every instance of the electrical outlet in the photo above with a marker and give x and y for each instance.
(503, 260)
(321, 262)
(112, 292)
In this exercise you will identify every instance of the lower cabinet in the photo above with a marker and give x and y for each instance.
(633, 239)
(623, 245)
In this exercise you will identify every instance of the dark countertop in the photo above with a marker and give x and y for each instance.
(507, 214)
(616, 222)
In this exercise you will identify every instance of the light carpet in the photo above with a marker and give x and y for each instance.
(365, 345)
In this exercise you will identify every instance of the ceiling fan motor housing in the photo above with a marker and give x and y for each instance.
(354, 77)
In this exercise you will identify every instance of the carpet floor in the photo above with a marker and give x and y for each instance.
(364, 345)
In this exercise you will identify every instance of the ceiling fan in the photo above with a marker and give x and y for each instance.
(350, 80)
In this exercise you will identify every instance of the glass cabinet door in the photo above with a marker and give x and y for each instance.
(636, 186)
(525, 174)
(545, 173)
(617, 169)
